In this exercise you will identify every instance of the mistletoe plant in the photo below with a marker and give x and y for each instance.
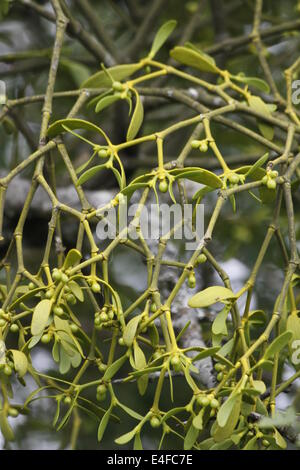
(247, 346)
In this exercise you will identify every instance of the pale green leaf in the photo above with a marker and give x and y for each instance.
(161, 36)
(251, 444)
(114, 367)
(105, 102)
(209, 58)
(72, 259)
(226, 409)
(62, 125)
(34, 341)
(126, 437)
(226, 444)
(137, 118)
(198, 420)
(210, 296)
(131, 188)
(222, 433)
(199, 175)
(191, 437)
(130, 412)
(192, 58)
(206, 353)
(227, 348)
(5, 427)
(118, 73)
(137, 445)
(279, 439)
(219, 324)
(103, 424)
(257, 104)
(254, 82)
(279, 343)
(257, 317)
(130, 330)
(64, 361)
(259, 385)
(20, 361)
(76, 290)
(260, 162)
(293, 325)
(88, 174)
(40, 316)
(139, 357)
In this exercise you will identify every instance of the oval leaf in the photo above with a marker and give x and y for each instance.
(260, 162)
(199, 175)
(219, 325)
(6, 430)
(191, 437)
(279, 343)
(293, 324)
(114, 367)
(130, 330)
(131, 188)
(105, 102)
(210, 59)
(198, 420)
(222, 433)
(226, 410)
(72, 259)
(139, 357)
(253, 82)
(76, 290)
(126, 437)
(20, 361)
(137, 442)
(103, 424)
(87, 175)
(119, 72)
(188, 56)
(59, 127)
(161, 36)
(40, 316)
(257, 104)
(210, 296)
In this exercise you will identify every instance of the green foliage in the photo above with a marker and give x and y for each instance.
(138, 342)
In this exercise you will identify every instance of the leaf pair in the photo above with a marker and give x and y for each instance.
(137, 117)
(198, 175)
(120, 72)
(87, 175)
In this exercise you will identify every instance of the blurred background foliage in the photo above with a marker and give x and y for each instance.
(25, 51)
